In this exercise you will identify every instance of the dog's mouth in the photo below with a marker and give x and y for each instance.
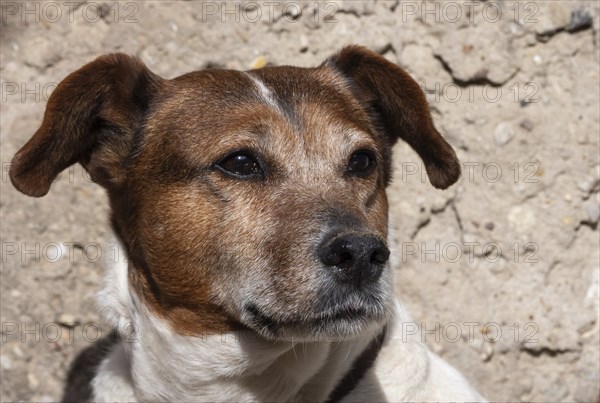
(333, 324)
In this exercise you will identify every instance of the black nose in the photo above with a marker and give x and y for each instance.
(355, 258)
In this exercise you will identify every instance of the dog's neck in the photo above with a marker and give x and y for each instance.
(234, 366)
(165, 365)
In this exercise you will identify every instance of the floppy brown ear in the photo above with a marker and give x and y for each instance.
(400, 108)
(91, 118)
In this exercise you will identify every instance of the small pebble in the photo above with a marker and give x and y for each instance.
(104, 10)
(5, 362)
(18, 352)
(487, 351)
(303, 43)
(294, 11)
(504, 133)
(516, 29)
(521, 218)
(592, 212)
(526, 124)
(258, 63)
(588, 184)
(439, 204)
(68, 320)
(580, 19)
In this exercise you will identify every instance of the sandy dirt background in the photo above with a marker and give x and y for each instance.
(500, 271)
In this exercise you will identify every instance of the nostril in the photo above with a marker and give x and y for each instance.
(345, 259)
(380, 255)
(340, 254)
(335, 253)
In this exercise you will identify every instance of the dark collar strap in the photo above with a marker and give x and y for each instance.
(361, 365)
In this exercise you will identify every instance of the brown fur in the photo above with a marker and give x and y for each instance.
(195, 237)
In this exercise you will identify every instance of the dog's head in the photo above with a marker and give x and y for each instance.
(245, 199)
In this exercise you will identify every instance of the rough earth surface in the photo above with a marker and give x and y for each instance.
(500, 271)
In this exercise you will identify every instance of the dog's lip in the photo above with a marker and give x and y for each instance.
(260, 318)
(348, 313)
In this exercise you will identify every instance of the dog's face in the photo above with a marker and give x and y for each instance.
(245, 199)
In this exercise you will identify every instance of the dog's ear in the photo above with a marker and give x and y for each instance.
(400, 107)
(91, 118)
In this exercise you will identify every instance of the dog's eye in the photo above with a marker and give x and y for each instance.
(361, 162)
(241, 165)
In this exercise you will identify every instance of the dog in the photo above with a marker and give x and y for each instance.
(252, 206)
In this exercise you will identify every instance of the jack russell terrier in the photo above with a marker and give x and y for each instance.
(252, 207)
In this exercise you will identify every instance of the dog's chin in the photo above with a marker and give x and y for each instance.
(328, 326)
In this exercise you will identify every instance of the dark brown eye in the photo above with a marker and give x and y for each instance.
(361, 162)
(240, 165)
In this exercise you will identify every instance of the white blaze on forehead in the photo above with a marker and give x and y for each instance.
(264, 91)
